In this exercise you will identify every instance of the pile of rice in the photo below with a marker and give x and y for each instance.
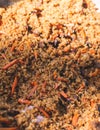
(59, 43)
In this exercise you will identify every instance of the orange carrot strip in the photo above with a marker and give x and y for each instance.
(4, 120)
(84, 50)
(21, 61)
(95, 73)
(36, 54)
(14, 85)
(75, 119)
(67, 48)
(62, 79)
(54, 74)
(34, 83)
(34, 89)
(21, 48)
(44, 112)
(69, 128)
(92, 51)
(81, 87)
(12, 48)
(23, 101)
(92, 103)
(62, 93)
(56, 86)
(10, 64)
(3, 55)
(10, 128)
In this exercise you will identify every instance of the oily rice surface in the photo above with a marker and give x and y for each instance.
(50, 65)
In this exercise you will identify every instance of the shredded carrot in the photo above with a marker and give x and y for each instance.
(75, 119)
(12, 48)
(34, 89)
(92, 103)
(62, 79)
(23, 101)
(4, 120)
(69, 128)
(59, 26)
(35, 54)
(84, 100)
(21, 61)
(67, 48)
(4, 56)
(84, 50)
(21, 48)
(81, 87)
(56, 85)
(92, 51)
(95, 73)
(62, 93)
(14, 85)
(34, 84)
(44, 112)
(54, 74)
(10, 64)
